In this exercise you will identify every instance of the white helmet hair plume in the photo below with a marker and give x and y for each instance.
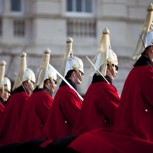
(45, 71)
(104, 47)
(22, 68)
(46, 56)
(148, 26)
(105, 53)
(68, 53)
(2, 73)
(24, 73)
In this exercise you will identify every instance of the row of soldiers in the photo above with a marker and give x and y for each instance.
(101, 122)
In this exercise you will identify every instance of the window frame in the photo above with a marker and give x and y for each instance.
(19, 27)
(82, 13)
(16, 13)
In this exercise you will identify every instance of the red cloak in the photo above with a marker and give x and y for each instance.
(11, 116)
(99, 107)
(34, 117)
(62, 117)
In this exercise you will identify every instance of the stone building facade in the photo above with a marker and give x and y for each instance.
(34, 25)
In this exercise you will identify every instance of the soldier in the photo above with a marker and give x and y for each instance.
(101, 99)
(22, 89)
(39, 104)
(67, 102)
(133, 126)
(134, 115)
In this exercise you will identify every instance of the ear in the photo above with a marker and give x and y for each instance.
(73, 73)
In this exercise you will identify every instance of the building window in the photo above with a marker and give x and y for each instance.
(19, 28)
(79, 6)
(1, 6)
(81, 27)
(17, 6)
(0, 27)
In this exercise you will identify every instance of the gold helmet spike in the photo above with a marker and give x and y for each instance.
(2, 73)
(68, 53)
(43, 68)
(22, 68)
(104, 47)
(141, 44)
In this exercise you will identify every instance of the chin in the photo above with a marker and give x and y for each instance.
(79, 82)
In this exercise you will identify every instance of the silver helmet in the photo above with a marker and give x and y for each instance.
(29, 75)
(7, 84)
(74, 63)
(149, 38)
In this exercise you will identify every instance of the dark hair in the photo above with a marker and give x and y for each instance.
(69, 74)
(146, 49)
(45, 81)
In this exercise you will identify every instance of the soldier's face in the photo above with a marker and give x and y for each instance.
(29, 86)
(78, 77)
(50, 84)
(112, 71)
(6, 95)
